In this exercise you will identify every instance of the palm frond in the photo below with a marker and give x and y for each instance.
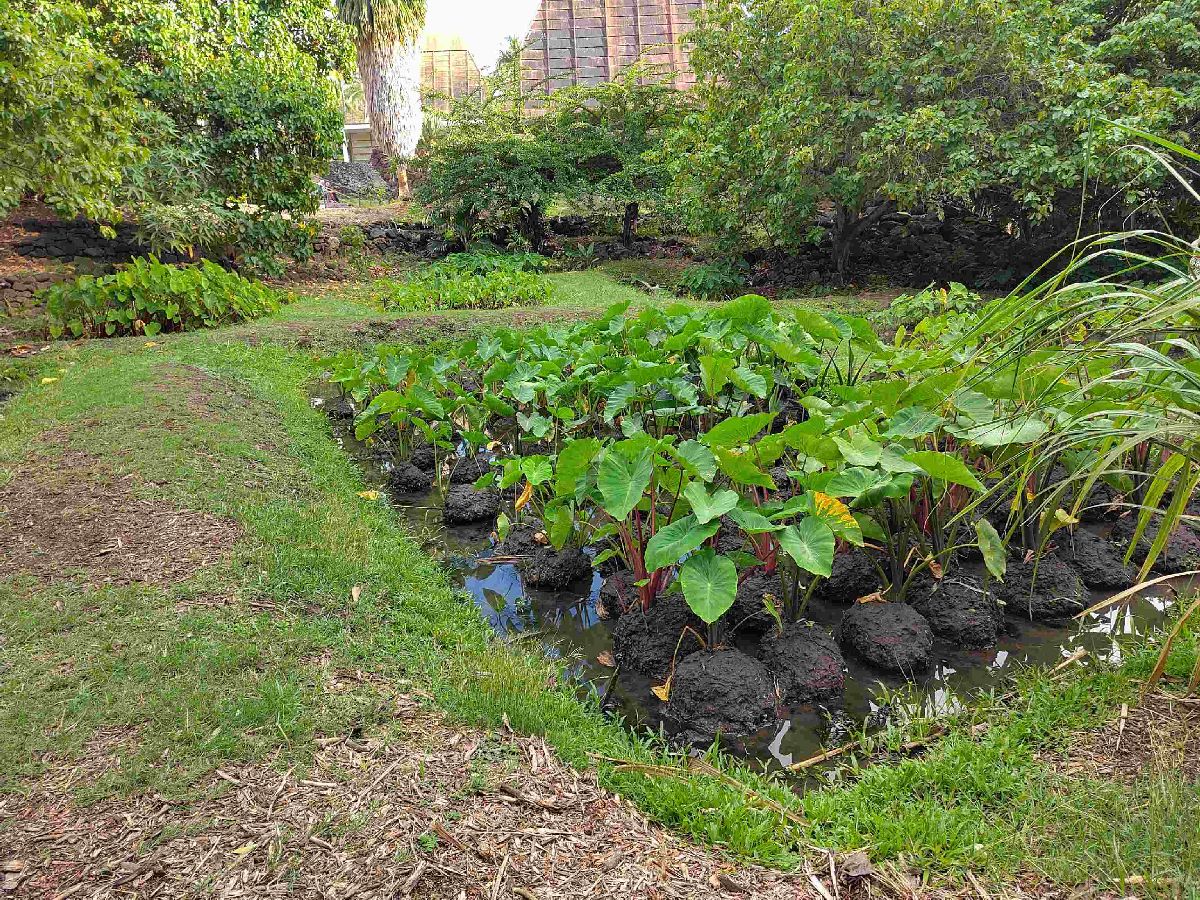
(398, 19)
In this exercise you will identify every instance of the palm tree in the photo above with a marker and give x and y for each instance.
(386, 36)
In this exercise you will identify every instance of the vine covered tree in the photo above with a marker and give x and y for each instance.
(387, 39)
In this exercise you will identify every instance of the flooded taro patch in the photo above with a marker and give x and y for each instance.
(772, 527)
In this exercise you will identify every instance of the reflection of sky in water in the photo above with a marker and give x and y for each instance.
(568, 628)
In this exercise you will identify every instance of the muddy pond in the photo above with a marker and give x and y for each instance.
(569, 625)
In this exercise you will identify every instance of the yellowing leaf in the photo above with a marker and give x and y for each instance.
(663, 691)
(833, 508)
(606, 659)
(526, 494)
(876, 597)
(150, 344)
(369, 495)
(49, 380)
(245, 848)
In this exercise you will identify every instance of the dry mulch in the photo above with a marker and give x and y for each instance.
(361, 823)
(1160, 734)
(65, 517)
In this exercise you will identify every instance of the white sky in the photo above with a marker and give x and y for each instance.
(482, 24)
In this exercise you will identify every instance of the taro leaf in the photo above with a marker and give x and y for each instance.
(715, 372)
(706, 507)
(743, 470)
(912, 422)
(559, 524)
(617, 399)
(860, 450)
(837, 517)
(851, 482)
(537, 469)
(816, 325)
(810, 545)
(623, 477)
(891, 461)
(894, 487)
(631, 426)
(496, 406)
(745, 310)
(512, 474)
(945, 467)
(992, 548)
(675, 541)
(709, 584)
(871, 529)
(975, 406)
(503, 526)
(735, 431)
(536, 425)
(750, 381)
(1002, 434)
(574, 460)
(696, 459)
(752, 521)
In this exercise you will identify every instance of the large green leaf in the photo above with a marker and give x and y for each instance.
(945, 467)
(735, 431)
(537, 469)
(742, 469)
(707, 507)
(709, 584)
(860, 450)
(675, 541)
(715, 372)
(992, 548)
(696, 459)
(752, 521)
(912, 422)
(623, 477)
(810, 545)
(574, 460)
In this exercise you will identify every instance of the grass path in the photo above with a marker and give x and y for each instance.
(308, 637)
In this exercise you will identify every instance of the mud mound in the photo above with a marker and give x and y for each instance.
(890, 636)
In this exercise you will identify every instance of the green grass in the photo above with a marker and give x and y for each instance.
(190, 687)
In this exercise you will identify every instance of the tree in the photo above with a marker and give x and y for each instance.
(386, 36)
(851, 108)
(613, 135)
(64, 113)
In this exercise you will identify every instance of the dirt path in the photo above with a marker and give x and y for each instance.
(426, 811)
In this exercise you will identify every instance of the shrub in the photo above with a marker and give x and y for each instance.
(249, 236)
(910, 309)
(715, 280)
(352, 238)
(150, 297)
(474, 281)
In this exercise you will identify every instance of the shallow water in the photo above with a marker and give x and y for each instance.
(568, 627)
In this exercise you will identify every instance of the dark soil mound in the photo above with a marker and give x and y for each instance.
(730, 539)
(891, 636)
(959, 610)
(726, 692)
(617, 594)
(521, 540)
(408, 479)
(853, 575)
(469, 470)
(341, 410)
(1181, 553)
(646, 643)
(1056, 596)
(1100, 563)
(423, 458)
(748, 613)
(465, 506)
(807, 664)
(554, 570)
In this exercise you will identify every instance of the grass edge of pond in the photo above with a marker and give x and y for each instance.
(926, 808)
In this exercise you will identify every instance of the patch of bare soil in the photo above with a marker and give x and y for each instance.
(439, 812)
(65, 517)
(1162, 734)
